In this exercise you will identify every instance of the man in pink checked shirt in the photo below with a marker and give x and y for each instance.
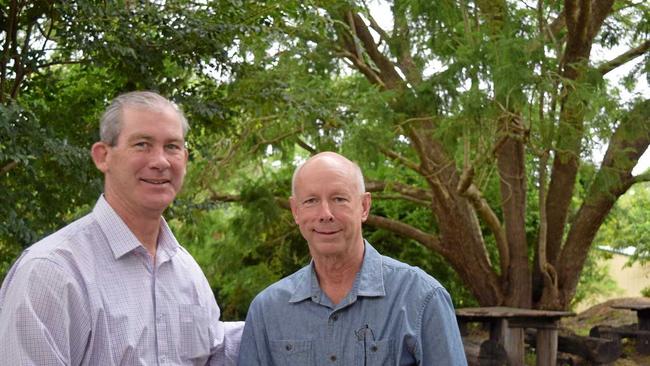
(115, 287)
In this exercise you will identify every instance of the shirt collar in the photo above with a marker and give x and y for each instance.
(369, 281)
(121, 239)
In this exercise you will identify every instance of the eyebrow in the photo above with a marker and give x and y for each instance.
(150, 138)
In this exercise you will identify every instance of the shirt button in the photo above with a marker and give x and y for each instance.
(333, 358)
(335, 317)
(288, 347)
(163, 359)
(374, 348)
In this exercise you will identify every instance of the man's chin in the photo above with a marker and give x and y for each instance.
(326, 247)
(157, 205)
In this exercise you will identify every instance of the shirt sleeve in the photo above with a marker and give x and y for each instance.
(253, 351)
(44, 317)
(228, 349)
(226, 336)
(439, 339)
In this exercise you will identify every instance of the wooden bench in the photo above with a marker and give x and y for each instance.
(507, 329)
(642, 333)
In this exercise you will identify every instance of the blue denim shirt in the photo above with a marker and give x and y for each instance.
(395, 314)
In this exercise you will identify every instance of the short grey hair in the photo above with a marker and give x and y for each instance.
(110, 124)
(357, 172)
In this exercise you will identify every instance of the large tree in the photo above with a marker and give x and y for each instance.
(480, 113)
(472, 121)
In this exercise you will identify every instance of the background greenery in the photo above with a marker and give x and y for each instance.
(267, 83)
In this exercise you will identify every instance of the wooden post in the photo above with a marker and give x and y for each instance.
(643, 341)
(512, 340)
(546, 347)
(515, 340)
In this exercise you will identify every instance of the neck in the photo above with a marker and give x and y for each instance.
(145, 227)
(336, 275)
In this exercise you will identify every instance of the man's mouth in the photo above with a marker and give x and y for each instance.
(326, 232)
(155, 181)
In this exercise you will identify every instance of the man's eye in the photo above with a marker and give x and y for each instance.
(141, 145)
(172, 147)
(340, 199)
(309, 201)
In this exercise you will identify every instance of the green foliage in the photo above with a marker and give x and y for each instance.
(645, 292)
(49, 168)
(264, 247)
(265, 84)
(628, 226)
(68, 59)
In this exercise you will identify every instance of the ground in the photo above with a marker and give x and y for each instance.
(604, 314)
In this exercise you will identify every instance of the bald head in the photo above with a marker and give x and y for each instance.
(329, 204)
(331, 159)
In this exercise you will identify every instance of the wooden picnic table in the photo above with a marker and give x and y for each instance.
(507, 327)
(642, 308)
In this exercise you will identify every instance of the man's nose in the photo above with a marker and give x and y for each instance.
(325, 212)
(158, 159)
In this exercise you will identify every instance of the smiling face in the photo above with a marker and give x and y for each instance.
(329, 207)
(145, 169)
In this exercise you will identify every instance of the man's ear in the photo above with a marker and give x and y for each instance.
(99, 153)
(365, 206)
(187, 155)
(294, 208)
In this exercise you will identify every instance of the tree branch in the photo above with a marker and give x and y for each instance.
(306, 146)
(218, 197)
(387, 73)
(60, 62)
(355, 39)
(374, 25)
(385, 196)
(406, 192)
(370, 74)
(49, 31)
(583, 18)
(230, 198)
(10, 37)
(490, 218)
(264, 141)
(430, 241)
(624, 58)
(20, 59)
(645, 177)
(557, 25)
(8, 167)
(628, 143)
(402, 160)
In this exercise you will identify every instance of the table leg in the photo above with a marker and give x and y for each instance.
(546, 347)
(512, 340)
(643, 342)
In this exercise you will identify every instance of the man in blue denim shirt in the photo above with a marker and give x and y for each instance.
(350, 305)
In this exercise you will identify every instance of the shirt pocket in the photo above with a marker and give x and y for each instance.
(195, 332)
(377, 353)
(291, 352)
